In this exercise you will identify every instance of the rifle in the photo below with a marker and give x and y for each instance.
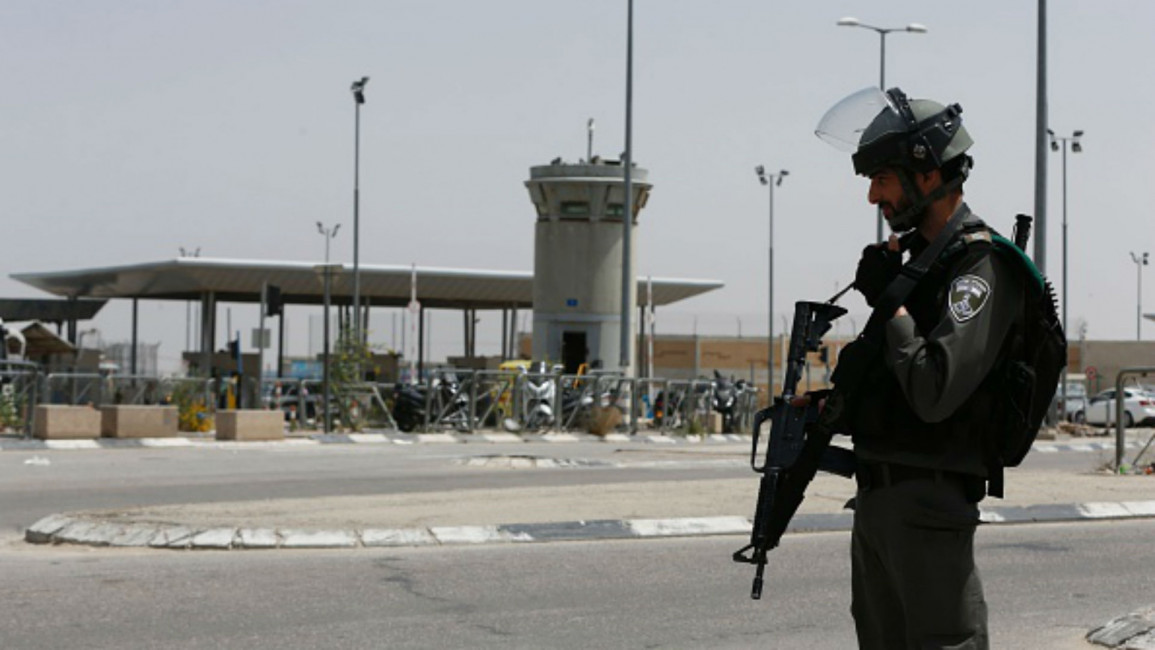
(798, 443)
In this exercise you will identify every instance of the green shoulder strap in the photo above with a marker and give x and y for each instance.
(1010, 250)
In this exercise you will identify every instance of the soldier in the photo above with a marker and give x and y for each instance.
(932, 398)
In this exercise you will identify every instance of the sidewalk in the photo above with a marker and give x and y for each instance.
(617, 510)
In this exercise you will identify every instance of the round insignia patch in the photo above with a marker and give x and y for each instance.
(968, 296)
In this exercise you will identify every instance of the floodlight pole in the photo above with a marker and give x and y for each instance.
(628, 204)
(770, 180)
(1076, 147)
(1040, 251)
(358, 89)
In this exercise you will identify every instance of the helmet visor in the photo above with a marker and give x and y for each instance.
(845, 123)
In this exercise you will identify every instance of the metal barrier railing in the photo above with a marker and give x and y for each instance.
(491, 397)
(99, 389)
(459, 399)
(1120, 436)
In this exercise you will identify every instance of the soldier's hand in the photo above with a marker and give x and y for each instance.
(879, 265)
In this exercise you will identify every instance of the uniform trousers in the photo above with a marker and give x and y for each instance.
(915, 585)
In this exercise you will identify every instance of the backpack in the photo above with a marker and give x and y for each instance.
(1030, 376)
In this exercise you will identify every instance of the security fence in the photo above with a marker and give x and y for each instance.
(450, 400)
(98, 389)
(19, 392)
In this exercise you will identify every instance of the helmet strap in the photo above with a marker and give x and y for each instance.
(913, 215)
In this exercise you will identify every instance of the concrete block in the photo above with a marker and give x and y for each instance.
(138, 421)
(62, 422)
(217, 538)
(250, 425)
(42, 531)
(257, 538)
(318, 539)
(374, 537)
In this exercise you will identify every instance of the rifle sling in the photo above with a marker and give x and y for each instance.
(900, 287)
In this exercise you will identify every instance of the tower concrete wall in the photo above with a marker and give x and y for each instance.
(577, 292)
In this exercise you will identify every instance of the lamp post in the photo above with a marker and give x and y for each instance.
(770, 181)
(914, 28)
(328, 234)
(628, 282)
(1140, 261)
(358, 99)
(1077, 147)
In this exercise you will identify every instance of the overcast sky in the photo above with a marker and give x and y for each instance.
(130, 129)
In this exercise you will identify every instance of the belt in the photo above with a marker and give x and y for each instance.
(879, 475)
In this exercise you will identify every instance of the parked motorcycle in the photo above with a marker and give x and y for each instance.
(537, 394)
(727, 394)
(448, 404)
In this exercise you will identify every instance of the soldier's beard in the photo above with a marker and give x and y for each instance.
(897, 215)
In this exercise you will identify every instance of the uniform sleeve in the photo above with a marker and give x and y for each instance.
(938, 371)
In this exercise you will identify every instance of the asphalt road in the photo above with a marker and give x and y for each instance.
(35, 484)
(1046, 585)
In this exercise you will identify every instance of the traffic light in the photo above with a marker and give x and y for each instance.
(824, 355)
(235, 349)
(274, 302)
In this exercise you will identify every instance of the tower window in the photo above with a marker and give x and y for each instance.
(575, 208)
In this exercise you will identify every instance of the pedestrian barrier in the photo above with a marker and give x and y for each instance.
(459, 400)
(19, 395)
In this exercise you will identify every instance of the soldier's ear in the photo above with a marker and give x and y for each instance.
(929, 180)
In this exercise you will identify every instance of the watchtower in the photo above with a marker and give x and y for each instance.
(577, 269)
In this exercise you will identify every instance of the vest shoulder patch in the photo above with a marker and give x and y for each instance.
(968, 295)
(978, 235)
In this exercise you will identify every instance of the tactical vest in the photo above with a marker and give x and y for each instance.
(886, 428)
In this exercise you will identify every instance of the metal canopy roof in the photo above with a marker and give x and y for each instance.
(48, 310)
(187, 278)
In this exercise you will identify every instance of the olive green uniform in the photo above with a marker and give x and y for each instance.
(919, 440)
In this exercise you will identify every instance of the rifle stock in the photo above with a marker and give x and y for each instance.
(797, 446)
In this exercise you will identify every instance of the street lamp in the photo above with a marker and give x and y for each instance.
(188, 252)
(914, 28)
(358, 99)
(1140, 261)
(770, 181)
(629, 283)
(328, 234)
(1077, 147)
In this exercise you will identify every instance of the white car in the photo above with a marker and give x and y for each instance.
(1077, 400)
(1138, 408)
